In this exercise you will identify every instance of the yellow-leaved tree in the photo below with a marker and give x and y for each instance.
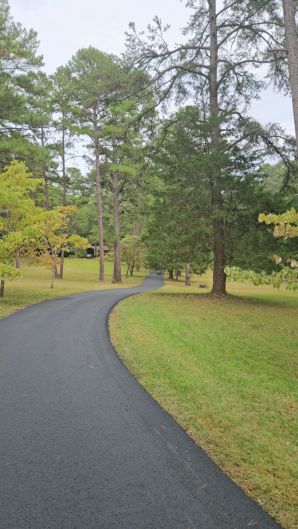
(52, 232)
(17, 213)
(285, 224)
(27, 228)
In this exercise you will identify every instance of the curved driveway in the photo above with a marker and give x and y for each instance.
(83, 446)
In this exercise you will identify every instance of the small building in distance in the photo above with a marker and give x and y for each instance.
(93, 251)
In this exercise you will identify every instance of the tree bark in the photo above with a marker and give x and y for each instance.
(55, 270)
(45, 176)
(171, 273)
(137, 231)
(61, 270)
(289, 10)
(46, 192)
(64, 177)
(2, 285)
(117, 278)
(64, 191)
(219, 276)
(99, 214)
(17, 261)
(52, 277)
(215, 168)
(187, 275)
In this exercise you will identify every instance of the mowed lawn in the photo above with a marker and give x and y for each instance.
(80, 275)
(226, 369)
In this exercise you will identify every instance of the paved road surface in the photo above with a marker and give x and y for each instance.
(83, 446)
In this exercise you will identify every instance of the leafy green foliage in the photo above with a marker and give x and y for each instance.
(133, 252)
(182, 214)
(52, 231)
(29, 229)
(17, 215)
(286, 277)
(19, 64)
(170, 193)
(286, 224)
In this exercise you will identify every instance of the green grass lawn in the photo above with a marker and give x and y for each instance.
(79, 275)
(225, 369)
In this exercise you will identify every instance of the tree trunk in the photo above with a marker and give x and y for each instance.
(45, 176)
(52, 276)
(289, 10)
(187, 275)
(215, 168)
(219, 276)
(137, 231)
(46, 192)
(171, 273)
(117, 278)
(55, 271)
(177, 274)
(64, 192)
(17, 261)
(61, 271)
(64, 177)
(2, 285)
(99, 215)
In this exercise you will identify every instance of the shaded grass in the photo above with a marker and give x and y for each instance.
(225, 368)
(80, 275)
(259, 294)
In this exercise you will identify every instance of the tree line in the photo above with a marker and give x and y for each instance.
(172, 164)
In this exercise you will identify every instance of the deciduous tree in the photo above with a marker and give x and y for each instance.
(17, 216)
(133, 252)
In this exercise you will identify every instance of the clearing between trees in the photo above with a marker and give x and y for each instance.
(81, 275)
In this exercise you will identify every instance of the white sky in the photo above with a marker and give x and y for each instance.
(64, 26)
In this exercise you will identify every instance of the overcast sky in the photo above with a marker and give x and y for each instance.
(64, 26)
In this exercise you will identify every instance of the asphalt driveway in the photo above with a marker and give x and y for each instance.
(83, 446)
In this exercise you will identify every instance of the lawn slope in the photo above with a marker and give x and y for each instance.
(225, 369)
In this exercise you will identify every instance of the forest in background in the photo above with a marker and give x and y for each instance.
(153, 156)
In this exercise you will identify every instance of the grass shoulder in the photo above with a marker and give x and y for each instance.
(224, 368)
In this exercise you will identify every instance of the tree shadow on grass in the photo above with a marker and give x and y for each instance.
(233, 298)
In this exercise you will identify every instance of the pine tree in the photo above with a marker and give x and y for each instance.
(94, 80)
(215, 67)
(19, 63)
